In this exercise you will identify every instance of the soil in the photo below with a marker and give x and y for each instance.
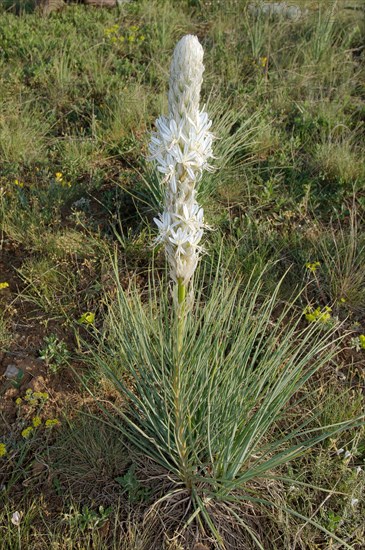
(28, 327)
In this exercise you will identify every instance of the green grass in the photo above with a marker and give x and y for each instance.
(80, 91)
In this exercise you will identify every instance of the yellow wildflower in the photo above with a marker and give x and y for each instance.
(312, 266)
(263, 61)
(18, 401)
(59, 176)
(317, 315)
(4, 285)
(3, 450)
(27, 432)
(18, 183)
(36, 421)
(52, 422)
(87, 318)
(362, 341)
(40, 395)
(325, 315)
(309, 315)
(111, 30)
(34, 398)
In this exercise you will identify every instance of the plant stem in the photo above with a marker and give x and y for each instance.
(178, 405)
(181, 295)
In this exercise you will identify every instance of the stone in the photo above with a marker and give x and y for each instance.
(101, 3)
(12, 372)
(271, 9)
(46, 7)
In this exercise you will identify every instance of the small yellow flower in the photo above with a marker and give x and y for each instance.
(310, 316)
(263, 61)
(317, 315)
(18, 183)
(3, 450)
(40, 395)
(87, 318)
(59, 176)
(343, 300)
(27, 432)
(52, 422)
(362, 341)
(28, 394)
(36, 421)
(35, 398)
(18, 401)
(4, 285)
(312, 266)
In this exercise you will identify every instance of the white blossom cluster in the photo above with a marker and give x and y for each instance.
(181, 147)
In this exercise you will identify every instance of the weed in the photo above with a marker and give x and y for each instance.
(87, 518)
(130, 485)
(54, 353)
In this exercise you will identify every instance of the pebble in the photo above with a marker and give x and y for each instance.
(11, 372)
(277, 8)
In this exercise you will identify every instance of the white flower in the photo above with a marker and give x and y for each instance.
(347, 455)
(16, 518)
(181, 146)
(164, 224)
(354, 501)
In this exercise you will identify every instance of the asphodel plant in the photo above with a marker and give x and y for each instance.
(182, 146)
(212, 385)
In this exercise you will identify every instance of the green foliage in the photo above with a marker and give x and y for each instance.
(342, 254)
(216, 429)
(48, 284)
(87, 518)
(54, 353)
(130, 485)
(5, 333)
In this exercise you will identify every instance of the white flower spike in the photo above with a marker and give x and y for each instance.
(182, 146)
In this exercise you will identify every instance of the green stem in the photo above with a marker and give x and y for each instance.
(181, 296)
(178, 405)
